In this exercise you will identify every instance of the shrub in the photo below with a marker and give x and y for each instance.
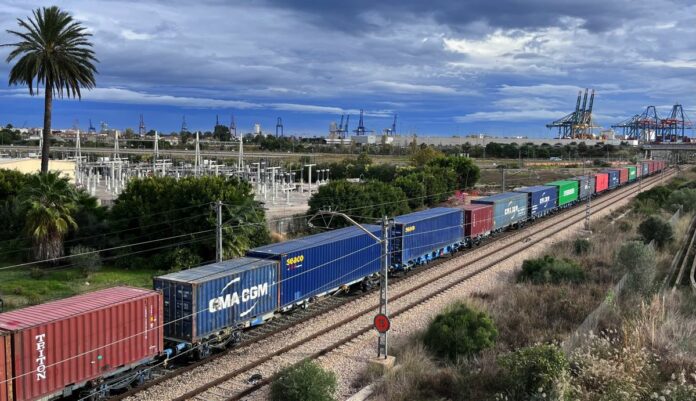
(685, 198)
(678, 389)
(418, 378)
(460, 331)
(551, 270)
(582, 246)
(654, 228)
(180, 259)
(85, 259)
(612, 370)
(305, 381)
(537, 372)
(638, 260)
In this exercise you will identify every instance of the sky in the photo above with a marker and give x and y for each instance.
(444, 67)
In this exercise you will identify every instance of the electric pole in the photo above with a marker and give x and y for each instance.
(382, 343)
(218, 232)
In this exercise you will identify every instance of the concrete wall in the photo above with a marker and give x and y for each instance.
(28, 166)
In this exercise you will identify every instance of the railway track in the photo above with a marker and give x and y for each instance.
(686, 259)
(235, 385)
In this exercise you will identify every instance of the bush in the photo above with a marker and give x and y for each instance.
(37, 273)
(460, 331)
(85, 259)
(551, 270)
(685, 198)
(677, 390)
(654, 228)
(582, 246)
(305, 381)
(537, 372)
(179, 259)
(638, 260)
(608, 369)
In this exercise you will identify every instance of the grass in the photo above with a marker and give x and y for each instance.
(20, 287)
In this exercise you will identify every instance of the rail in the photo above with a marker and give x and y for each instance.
(574, 216)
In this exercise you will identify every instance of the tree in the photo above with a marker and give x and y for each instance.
(366, 202)
(156, 207)
(467, 172)
(54, 50)
(460, 332)
(424, 155)
(638, 260)
(654, 228)
(305, 381)
(50, 202)
(414, 188)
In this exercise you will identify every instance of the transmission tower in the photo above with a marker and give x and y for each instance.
(279, 127)
(141, 127)
(184, 126)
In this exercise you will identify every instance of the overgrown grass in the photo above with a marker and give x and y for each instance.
(23, 286)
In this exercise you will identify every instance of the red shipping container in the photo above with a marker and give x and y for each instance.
(601, 182)
(5, 366)
(478, 220)
(639, 170)
(69, 342)
(651, 164)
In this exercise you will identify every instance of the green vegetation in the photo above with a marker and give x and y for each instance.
(551, 270)
(305, 381)
(460, 332)
(365, 201)
(568, 331)
(582, 246)
(655, 229)
(53, 51)
(183, 209)
(28, 286)
(394, 190)
(535, 373)
(638, 260)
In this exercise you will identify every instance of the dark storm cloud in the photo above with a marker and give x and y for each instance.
(599, 15)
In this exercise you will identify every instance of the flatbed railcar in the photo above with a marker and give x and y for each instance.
(206, 307)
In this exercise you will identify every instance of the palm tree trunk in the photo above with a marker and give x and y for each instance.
(48, 106)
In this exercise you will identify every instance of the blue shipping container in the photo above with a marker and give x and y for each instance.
(508, 208)
(202, 301)
(585, 187)
(646, 168)
(540, 199)
(421, 236)
(613, 178)
(315, 264)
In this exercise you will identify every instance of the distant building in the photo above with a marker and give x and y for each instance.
(257, 129)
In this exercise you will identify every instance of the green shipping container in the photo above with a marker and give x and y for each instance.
(631, 173)
(567, 191)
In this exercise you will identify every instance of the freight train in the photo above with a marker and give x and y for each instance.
(95, 343)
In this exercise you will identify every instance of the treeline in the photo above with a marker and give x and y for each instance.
(389, 190)
(156, 223)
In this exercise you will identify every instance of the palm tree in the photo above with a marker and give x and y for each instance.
(51, 203)
(54, 50)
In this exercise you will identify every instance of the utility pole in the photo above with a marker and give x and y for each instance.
(218, 231)
(382, 342)
(381, 322)
(502, 179)
(589, 203)
(197, 155)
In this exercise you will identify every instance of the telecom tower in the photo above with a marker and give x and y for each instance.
(279, 127)
(141, 127)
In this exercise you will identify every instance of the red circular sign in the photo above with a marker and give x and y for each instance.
(382, 323)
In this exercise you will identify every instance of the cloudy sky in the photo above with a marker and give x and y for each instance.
(446, 67)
